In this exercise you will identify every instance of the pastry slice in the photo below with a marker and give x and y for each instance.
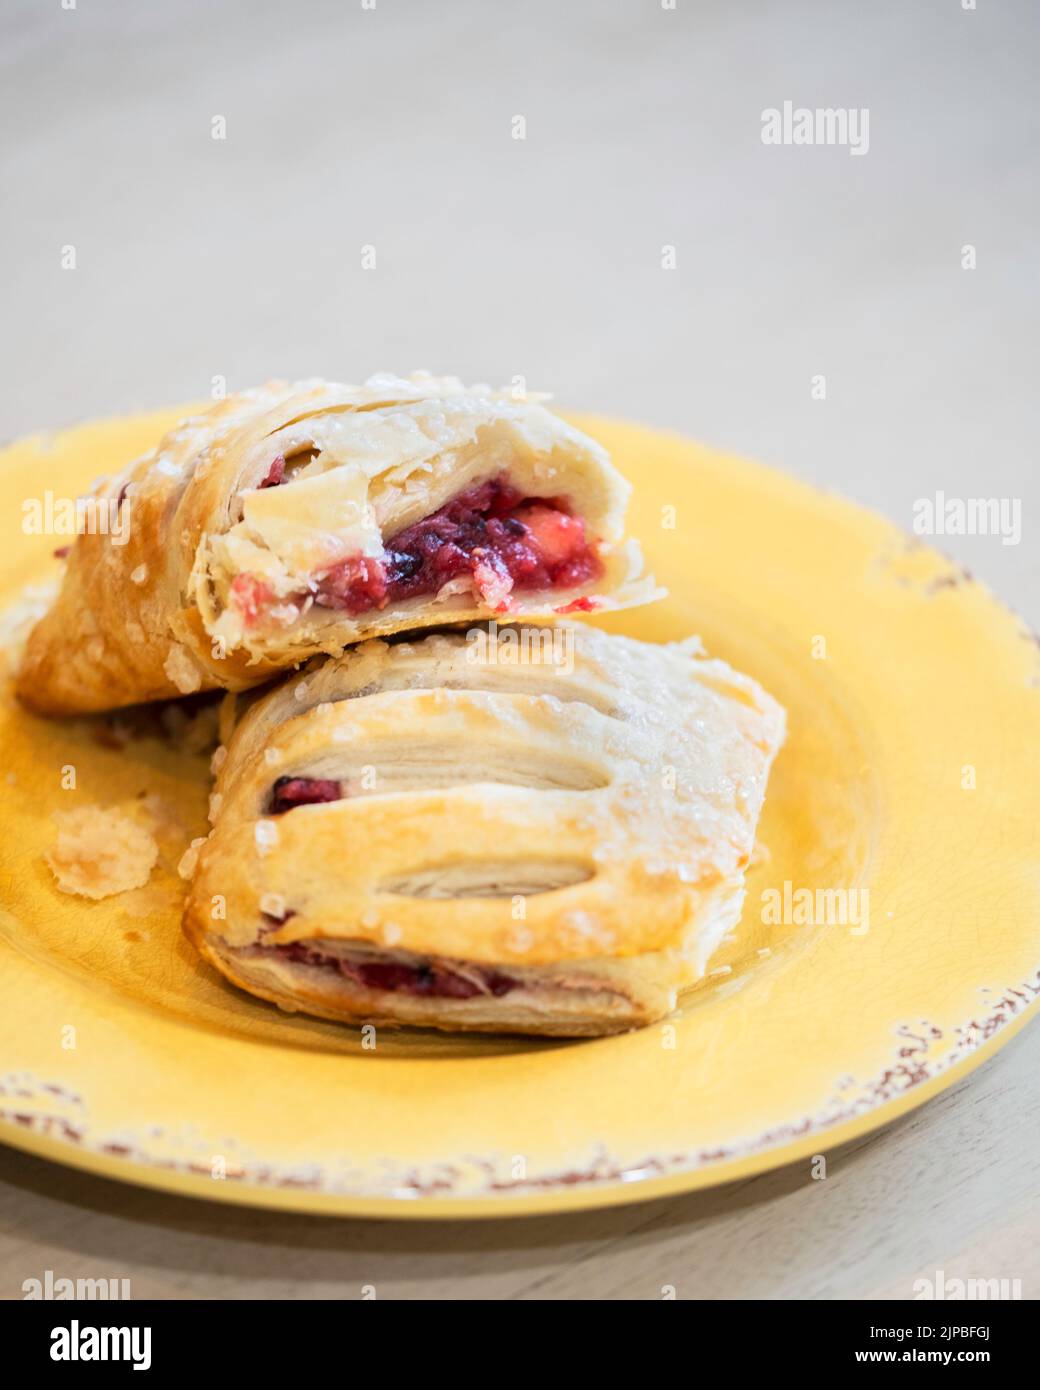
(521, 829)
(298, 519)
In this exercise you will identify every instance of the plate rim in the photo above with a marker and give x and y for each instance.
(560, 1198)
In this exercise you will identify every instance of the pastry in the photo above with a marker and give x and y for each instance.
(510, 829)
(298, 519)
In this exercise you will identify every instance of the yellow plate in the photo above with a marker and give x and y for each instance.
(909, 773)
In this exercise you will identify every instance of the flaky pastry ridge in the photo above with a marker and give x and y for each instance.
(524, 829)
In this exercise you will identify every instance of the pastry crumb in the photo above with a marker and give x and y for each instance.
(273, 905)
(182, 670)
(100, 852)
(190, 858)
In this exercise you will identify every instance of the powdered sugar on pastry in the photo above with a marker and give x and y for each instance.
(530, 829)
(182, 670)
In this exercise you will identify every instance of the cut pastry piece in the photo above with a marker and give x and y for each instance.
(518, 829)
(298, 519)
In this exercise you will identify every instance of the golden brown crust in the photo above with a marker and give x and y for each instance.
(119, 627)
(579, 820)
(144, 614)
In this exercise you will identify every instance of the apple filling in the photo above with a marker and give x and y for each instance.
(490, 539)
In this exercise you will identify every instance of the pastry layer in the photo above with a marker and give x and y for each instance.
(298, 519)
(524, 829)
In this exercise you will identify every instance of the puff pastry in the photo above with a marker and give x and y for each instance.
(523, 829)
(297, 519)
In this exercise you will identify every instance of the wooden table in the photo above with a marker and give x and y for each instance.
(952, 1187)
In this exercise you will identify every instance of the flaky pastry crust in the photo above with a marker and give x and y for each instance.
(557, 818)
(237, 520)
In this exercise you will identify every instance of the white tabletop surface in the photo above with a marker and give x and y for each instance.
(392, 128)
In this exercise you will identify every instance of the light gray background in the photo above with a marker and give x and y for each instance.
(392, 128)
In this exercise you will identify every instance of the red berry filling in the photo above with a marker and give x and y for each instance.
(275, 474)
(356, 584)
(251, 595)
(288, 792)
(433, 978)
(491, 532)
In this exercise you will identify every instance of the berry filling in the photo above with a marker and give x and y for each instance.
(251, 596)
(356, 585)
(432, 978)
(276, 473)
(491, 534)
(288, 792)
(503, 540)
